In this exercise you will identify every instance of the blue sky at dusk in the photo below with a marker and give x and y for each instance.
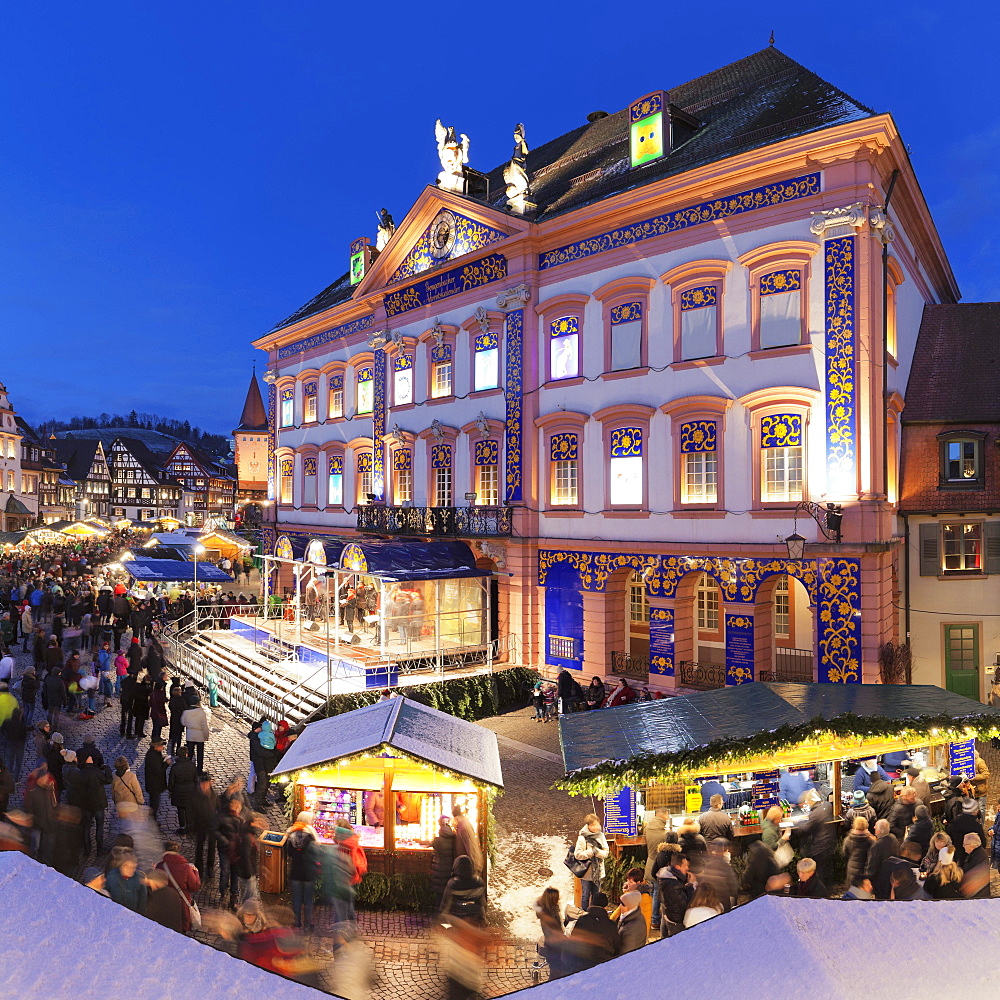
(176, 178)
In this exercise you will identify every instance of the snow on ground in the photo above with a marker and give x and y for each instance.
(514, 895)
(804, 949)
(60, 939)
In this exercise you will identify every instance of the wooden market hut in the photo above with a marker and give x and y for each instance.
(393, 769)
(759, 727)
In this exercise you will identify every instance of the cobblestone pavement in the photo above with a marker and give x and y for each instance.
(534, 826)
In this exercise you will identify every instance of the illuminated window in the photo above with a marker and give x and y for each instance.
(309, 469)
(441, 371)
(699, 322)
(961, 461)
(707, 600)
(781, 458)
(309, 401)
(402, 474)
(364, 477)
(564, 458)
(487, 473)
(336, 396)
(625, 467)
(441, 464)
(699, 483)
(963, 547)
(366, 388)
(486, 362)
(780, 295)
(564, 340)
(402, 379)
(782, 612)
(335, 482)
(287, 467)
(287, 407)
(626, 336)
(638, 603)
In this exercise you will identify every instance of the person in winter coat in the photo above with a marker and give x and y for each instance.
(693, 844)
(809, 885)
(965, 823)
(54, 696)
(464, 894)
(631, 924)
(761, 868)
(134, 655)
(158, 708)
(705, 904)
(302, 854)
(29, 694)
(155, 772)
(857, 844)
(466, 838)
(125, 785)
(922, 828)
(903, 810)
(184, 876)
(591, 845)
(556, 948)
(595, 937)
(86, 790)
(264, 757)
(15, 732)
(676, 889)
(885, 846)
(945, 882)
(919, 784)
(881, 798)
(235, 844)
(715, 823)
(203, 819)
(126, 884)
(7, 786)
(940, 846)
(719, 874)
(195, 722)
(818, 834)
(121, 671)
(444, 858)
(176, 707)
(865, 774)
(859, 807)
(183, 777)
(40, 803)
(164, 904)
(126, 697)
(139, 714)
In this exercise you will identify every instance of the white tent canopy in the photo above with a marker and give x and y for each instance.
(806, 949)
(60, 939)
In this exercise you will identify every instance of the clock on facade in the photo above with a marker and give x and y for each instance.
(443, 234)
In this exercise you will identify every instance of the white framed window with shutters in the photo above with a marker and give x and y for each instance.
(487, 464)
(708, 600)
(953, 547)
(441, 469)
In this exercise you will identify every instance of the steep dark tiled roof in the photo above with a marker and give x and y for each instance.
(956, 365)
(77, 454)
(756, 101)
(254, 416)
(153, 464)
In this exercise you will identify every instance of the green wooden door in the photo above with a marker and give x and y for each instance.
(961, 659)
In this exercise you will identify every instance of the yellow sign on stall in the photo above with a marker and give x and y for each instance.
(692, 799)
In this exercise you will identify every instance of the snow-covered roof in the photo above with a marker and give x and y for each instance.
(433, 736)
(125, 956)
(804, 949)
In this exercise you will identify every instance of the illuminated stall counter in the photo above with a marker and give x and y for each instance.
(392, 770)
(763, 732)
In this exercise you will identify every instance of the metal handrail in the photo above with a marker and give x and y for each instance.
(702, 676)
(476, 521)
(627, 665)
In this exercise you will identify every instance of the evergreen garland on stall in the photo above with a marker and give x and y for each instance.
(723, 753)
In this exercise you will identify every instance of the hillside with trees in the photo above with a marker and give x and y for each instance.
(126, 425)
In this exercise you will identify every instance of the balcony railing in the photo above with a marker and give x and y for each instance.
(797, 665)
(702, 676)
(437, 522)
(633, 667)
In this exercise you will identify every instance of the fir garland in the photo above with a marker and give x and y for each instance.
(720, 754)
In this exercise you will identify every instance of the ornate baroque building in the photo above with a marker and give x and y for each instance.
(629, 367)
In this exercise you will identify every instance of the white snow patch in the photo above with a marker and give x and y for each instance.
(515, 898)
(125, 955)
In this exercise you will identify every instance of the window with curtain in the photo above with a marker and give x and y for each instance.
(366, 389)
(335, 482)
(699, 322)
(626, 336)
(625, 466)
(564, 456)
(287, 407)
(402, 375)
(564, 341)
(486, 361)
(309, 469)
(780, 308)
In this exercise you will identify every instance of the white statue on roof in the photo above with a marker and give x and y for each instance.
(515, 174)
(453, 151)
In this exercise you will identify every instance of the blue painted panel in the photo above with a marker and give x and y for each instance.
(739, 649)
(564, 620)
(661, 642)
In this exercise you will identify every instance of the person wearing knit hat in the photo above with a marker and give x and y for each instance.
(966, 821)
(57, 738)
(631, 923)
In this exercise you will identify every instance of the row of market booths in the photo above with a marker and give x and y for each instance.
(761, 745)
(376, 608)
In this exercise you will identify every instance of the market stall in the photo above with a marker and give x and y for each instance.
(759, 745)
(392, 770)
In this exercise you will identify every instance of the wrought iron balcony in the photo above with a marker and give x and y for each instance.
(702, 676)
(633, 667)
(436, 522)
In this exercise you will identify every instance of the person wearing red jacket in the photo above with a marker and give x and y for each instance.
(185, 875)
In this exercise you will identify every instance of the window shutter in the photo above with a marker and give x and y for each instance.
(930, 558)
(992, 532)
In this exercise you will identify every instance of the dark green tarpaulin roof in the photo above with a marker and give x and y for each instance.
(685, 723)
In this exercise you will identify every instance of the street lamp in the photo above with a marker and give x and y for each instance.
(828, 519)
(796, 545)
(197, 550)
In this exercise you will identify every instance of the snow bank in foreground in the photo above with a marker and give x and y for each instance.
(60, 939)
(806, 949)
